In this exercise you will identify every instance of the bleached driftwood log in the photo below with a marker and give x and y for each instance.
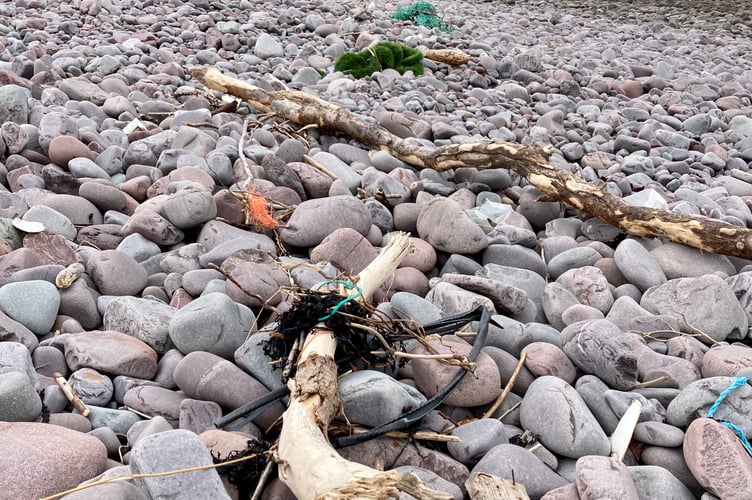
(307, 463)
(556, 183)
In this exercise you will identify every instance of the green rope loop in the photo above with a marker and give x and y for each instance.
(343, 301)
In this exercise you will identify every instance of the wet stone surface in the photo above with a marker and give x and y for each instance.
(194, 226)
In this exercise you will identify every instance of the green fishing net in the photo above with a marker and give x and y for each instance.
(380, 56)
(421, 14)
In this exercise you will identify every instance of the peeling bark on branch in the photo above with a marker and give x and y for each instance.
(557, 184)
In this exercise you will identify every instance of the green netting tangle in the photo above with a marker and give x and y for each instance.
(421, 14)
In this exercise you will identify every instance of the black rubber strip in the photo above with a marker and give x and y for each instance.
(451, 324)
(415, 415)
(258, 404)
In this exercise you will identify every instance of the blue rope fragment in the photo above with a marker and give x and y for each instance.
(740, 381)
(740, 434)
(343, 301)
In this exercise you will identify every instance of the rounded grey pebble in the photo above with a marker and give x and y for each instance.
(213, 323)
(570, 259)
(34, 304)
(555, 411)
(49, 360)
(659, 434)
(91, 386)
(138, 247)
(250, 356)
(372, 398)
(515, 463)
(53, 221)
(477, 438)
(408, 305)
(108, 438)
(636, 263)
(84, 167)
(55, 399)
(19, 402)
(189, 207)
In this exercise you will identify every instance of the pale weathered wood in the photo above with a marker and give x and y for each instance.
(556, 183)
(488, 487)
(307, 463)
(75, 401)
(447, 56)
(69, 275)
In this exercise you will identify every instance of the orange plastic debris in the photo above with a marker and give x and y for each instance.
(258, 211)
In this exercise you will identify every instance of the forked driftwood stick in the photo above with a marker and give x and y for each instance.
(308, 464)
(556, 183)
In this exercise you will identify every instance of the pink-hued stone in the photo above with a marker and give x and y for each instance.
(431, 376)
(547, 359)
(39, 460)
(718, 460)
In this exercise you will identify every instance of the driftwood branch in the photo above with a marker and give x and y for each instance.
(308, 464)
(556, 183)
(79, 405)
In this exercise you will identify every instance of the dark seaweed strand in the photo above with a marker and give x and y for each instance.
(244, 475)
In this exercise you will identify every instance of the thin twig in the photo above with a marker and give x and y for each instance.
(241, 154)
(147, 475)
(71, 394)
(375, 333)
(318, 166)
(418, 435)
(649, 383)
(200, 124)
(510, 410)
(452, 359)
(699, 332)
(508, 387)
(673, 331)
(294, 350)
(140, 414)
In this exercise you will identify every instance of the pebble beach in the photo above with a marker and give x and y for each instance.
(188, 222)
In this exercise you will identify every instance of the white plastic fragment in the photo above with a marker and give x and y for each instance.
(28, 226)
(622, 435)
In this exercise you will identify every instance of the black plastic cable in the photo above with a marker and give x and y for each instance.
(258, 404)
(415, 415)
(253, 409)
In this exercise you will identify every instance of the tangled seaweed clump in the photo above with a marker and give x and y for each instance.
(378, 57)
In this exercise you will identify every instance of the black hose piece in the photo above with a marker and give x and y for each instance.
(253, 409)
(258, 404)
(417, 414)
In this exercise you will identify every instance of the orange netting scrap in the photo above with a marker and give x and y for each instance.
(258, 211)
